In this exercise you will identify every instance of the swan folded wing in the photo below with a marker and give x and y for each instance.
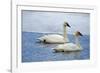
(71, 47)
(52, 39)
(68, 47)
(55, 39)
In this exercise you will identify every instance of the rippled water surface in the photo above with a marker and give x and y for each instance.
(33, 51)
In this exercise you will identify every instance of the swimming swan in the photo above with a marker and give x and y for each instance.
(56, 38)
(70, 46)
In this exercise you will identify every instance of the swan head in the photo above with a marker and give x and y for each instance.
(66, 24)
(77, 33)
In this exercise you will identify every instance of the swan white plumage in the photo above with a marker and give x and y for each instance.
(56, 38)
(70, 46)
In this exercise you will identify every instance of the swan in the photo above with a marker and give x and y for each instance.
(70, 46)
(56, 38)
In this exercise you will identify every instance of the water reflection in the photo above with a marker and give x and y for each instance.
(69, 55)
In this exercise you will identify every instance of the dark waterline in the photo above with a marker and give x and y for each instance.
(33, 51)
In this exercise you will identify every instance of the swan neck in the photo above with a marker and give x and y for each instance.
(77, 41)
(65, 33)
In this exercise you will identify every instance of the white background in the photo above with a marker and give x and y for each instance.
(5, 34)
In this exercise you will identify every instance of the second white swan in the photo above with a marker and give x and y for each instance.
(70, 46)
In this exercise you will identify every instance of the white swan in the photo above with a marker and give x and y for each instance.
(56, 38)
(70, 46)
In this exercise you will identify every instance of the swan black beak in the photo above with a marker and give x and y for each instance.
(67, 24)
(80, 33)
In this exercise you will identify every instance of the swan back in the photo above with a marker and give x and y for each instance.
(53, 38)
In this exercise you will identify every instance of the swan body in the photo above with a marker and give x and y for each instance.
(67, 47)
(53, 38)
(70, 46)
(56, 38)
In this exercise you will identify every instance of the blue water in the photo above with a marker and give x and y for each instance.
(33, 51)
